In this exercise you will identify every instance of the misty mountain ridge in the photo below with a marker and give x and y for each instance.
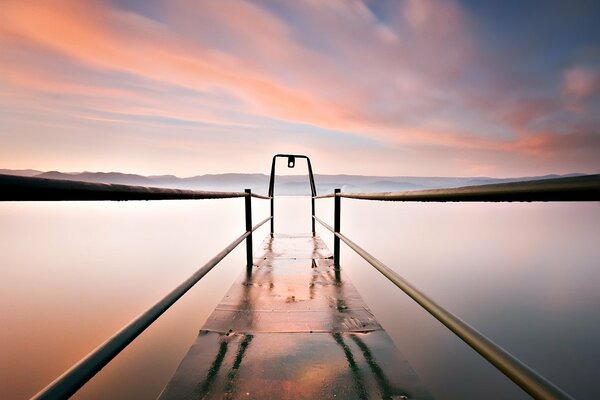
(20, 172)
(284, 184)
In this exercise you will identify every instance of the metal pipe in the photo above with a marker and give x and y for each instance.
(324, 196)
(21, 188)
(312, 206)
(271, 194)
(578, 188)
(248, 210)
(73, 379)
(313, 188)
(260, 196)
(313, 193)
(336, 226)
(272, 218)
(311, 177)
(521, 374)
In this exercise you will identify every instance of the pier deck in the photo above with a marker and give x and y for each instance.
(293, 327)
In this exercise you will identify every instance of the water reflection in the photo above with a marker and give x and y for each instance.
(359, 383)
(524, 274)
(73, 273)
(203, 388)
(384, 385)
(213, 371)
(229, 385)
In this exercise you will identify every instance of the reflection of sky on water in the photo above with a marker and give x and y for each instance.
(524, 274)
(72, 274)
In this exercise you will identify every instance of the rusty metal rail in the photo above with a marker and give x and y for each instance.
(73, 379)
(19, 188)
(579, 188)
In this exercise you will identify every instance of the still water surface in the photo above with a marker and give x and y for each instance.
(525, 274)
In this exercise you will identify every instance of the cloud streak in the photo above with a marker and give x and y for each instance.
(413, 74)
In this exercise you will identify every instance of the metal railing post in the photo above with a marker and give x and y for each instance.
(313, 189)
(336, 226)
(272, 193)
(248, 203)
(314, 232)
(272, 218)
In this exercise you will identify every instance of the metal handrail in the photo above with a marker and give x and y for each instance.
(583, 188)
(260, 196)
(523, 375)
(291, 164)
(20, 188)
(580, 188)
(325, 196)
(73, 379)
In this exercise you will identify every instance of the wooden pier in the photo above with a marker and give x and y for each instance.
(293, 327)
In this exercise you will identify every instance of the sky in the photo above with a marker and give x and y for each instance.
(403, 87)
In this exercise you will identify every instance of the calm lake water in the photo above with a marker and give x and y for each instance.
(525, 274)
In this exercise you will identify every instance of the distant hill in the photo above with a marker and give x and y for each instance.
(391, 186)
(488, 181)
(20, 172)
(285, 185)
(100, 177)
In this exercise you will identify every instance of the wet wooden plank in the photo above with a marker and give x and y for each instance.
(293, 329)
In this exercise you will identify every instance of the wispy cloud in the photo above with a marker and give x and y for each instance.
(413, 74)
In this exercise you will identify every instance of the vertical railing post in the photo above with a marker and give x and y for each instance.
(272, 192)
(248, 203)
(336, 227)
(272, 217)
(313, 216)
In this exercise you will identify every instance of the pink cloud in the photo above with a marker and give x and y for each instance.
(403, 82)
(581, 82)
(107, 39)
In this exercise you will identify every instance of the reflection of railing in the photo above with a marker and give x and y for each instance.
(585, 188)
(203, 388)
(14, 188)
